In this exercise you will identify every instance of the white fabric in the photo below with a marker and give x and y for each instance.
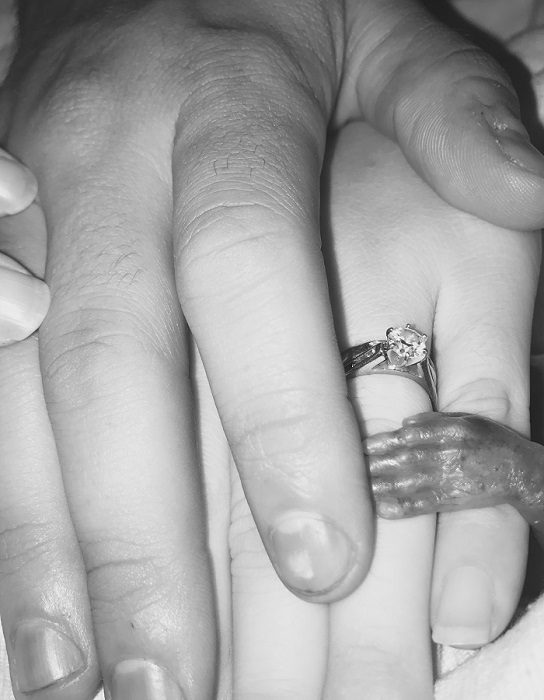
(512, 668)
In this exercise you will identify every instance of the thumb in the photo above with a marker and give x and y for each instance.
(451, 108)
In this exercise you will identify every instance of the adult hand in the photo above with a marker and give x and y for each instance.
(217, 113)
(403, 256)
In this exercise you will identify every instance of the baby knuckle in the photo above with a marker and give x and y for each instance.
(381, 486)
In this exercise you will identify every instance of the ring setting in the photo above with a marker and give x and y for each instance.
(403, 352)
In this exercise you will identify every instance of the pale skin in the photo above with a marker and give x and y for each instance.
(452, 461)
(116, 423)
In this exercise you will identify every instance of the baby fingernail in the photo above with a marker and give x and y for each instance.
(389, 509)
(372, 444)
(311, 555)
(18, 186)
(465, 610)
(24, 301)
(138, 679)
(519, 151)
(43, 656)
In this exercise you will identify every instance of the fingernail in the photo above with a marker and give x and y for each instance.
(389, 509)
(138, 679)
(24, 301)
(18, 186)
(310, 554)
(372, 444)
(465, 610)
(43, 656)
(520, 151)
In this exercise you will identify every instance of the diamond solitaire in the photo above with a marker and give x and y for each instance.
(405, 346)
(403, 353)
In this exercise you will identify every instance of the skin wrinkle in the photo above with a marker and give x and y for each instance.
(294, 483)
(294, 396)
(403, 42)
(113, 294)
(491, 395)
(236, 220)
(457, 87)
(16, 554)
(306, 60)
(79, 362)
(245, 194)
(365, 32)
(131, 296)
(254, 79)
(262, 187)
(141, 590)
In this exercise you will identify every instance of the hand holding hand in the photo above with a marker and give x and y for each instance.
(211, 123)
(438, 462)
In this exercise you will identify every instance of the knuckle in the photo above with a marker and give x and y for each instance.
(124, 579)
(485, 396)
(406, 457)
(381, 485)
(277, 435)
(27, 545)
(96, 348)
(111, 318)
(70, 109)
(83, 86)
(251, 58)
(247, 237)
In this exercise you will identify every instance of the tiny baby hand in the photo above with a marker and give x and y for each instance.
(440, 462)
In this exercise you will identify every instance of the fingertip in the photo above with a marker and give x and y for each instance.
(376, 444)
(130, 676)
(44, 657)
(472, 147)
(495, 174)
(418, 418)
(18, 185)
(463, 615)
(24, 301)
(315, 558)
(389, 509)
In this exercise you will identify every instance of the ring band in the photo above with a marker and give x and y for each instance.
(403, 353)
